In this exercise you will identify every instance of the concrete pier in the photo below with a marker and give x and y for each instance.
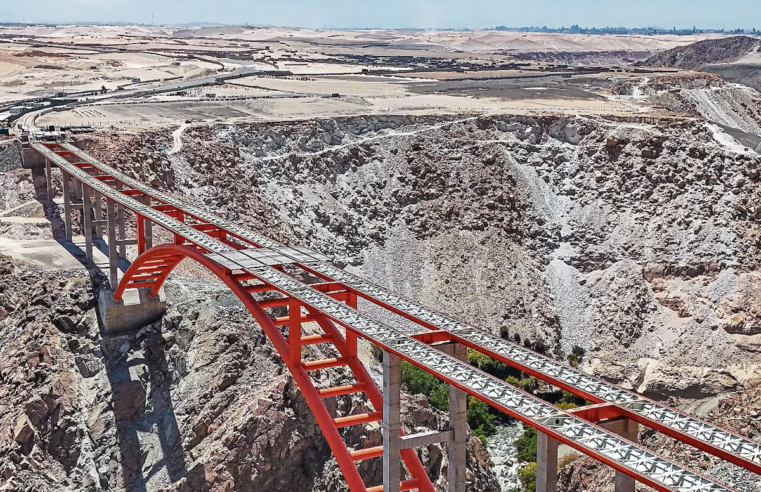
(458, 410)
(137, 309)
(392, 426)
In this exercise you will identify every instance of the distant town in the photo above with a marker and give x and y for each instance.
(574, 29)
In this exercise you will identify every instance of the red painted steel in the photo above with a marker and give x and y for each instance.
(299, 369)
(153, 266)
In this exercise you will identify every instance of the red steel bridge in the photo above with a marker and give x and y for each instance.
(250, 264)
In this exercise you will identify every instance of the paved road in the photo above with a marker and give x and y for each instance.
(28, 120)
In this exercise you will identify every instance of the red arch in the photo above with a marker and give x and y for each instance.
(167, 257)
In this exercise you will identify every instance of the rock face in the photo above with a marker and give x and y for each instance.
(636, 241)
(10, 155)
(709, 52)
(199, 401)
(733, 58)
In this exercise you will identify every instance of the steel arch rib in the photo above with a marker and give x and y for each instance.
(376, 398)
(345, 462)
(627, 457)
(178, 253)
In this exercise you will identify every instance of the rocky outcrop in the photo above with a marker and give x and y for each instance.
(704, 53)
(198, 401)
(10, 155)
(637, 241)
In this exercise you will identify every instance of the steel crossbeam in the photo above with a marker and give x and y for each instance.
(623, 455)
(708, 438)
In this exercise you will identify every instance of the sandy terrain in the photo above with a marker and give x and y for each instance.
(307, 73)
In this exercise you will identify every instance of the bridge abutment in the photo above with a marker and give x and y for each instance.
(137, 308)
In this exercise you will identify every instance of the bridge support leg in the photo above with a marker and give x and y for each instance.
(87, 219)
(67, 205)
(546, 463)
(458, 411)
(458, 414)
(147, 227)
(392, 426)
(120, 225)
(49, 179)
(112, 248)
(628, 429)
(294, 331)
(98, 216)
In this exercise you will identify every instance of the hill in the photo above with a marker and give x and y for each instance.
(736, 59)
(702, 54)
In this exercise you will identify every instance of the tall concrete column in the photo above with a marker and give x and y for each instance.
(98, 206)
(458, 413)
(112, 248)
(546, 463)
(87, 220)
(120, 225)
(147, 226)
(49, 179)
(392, 426)
(628, 429)
(67, 205)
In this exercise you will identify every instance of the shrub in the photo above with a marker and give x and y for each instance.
(526, 445)
(490, 366)
(480, 420)
(577, 356)
(416, 381)
(569, 399)
(529, 384)
(440, 397)
(377, 353)
(527, 477)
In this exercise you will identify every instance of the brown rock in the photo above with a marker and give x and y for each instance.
(37, 411)
(23, 433)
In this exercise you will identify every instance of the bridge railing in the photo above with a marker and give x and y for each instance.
(251, 256)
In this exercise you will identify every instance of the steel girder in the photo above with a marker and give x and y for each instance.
(595, 441)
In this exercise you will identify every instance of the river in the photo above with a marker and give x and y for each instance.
(504, 455)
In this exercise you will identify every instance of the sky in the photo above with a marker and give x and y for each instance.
(429, 14)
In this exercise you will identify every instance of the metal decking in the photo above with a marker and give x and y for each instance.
(257, 256)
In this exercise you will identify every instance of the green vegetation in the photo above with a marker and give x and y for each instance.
(529, 384)
(481, 418)
(418, 382)
(527, 476)
(577, 356)
(526, 445)
(489, 365)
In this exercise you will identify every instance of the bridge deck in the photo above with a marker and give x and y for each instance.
(571, 429)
